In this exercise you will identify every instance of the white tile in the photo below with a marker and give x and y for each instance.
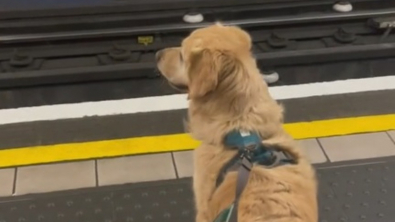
(359, 146)
(392, 135)
(184, 163)
(6, 181)
(133, 169)
(55, 177)
(313, 150)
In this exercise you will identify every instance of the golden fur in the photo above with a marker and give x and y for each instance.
(226, 92)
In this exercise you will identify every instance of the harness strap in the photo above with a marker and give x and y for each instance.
(250, 150)
(242, 179)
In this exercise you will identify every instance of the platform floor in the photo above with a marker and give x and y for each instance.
(348, 193)
(88, 162)
(135, 124)
(172, 165)
(355, 174)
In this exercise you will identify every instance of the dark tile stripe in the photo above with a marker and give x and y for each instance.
(91, 129)
(170, 122)
(339, 106)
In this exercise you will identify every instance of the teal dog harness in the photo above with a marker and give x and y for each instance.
(250, 151)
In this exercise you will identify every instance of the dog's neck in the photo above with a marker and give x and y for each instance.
(249, 108)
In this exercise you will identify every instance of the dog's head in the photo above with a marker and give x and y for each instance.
(206, 57)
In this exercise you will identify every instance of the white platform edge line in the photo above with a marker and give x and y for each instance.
(179, 101)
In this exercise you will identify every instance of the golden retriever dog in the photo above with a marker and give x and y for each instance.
(226, 92)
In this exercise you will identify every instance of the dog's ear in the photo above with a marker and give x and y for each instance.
(206, 67)
(202, 72)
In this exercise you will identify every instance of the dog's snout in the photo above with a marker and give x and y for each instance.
(159, 55)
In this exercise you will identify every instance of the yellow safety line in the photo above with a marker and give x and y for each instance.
(178, 142)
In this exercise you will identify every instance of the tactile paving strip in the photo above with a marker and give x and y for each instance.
(352, 193)
(357, 193)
